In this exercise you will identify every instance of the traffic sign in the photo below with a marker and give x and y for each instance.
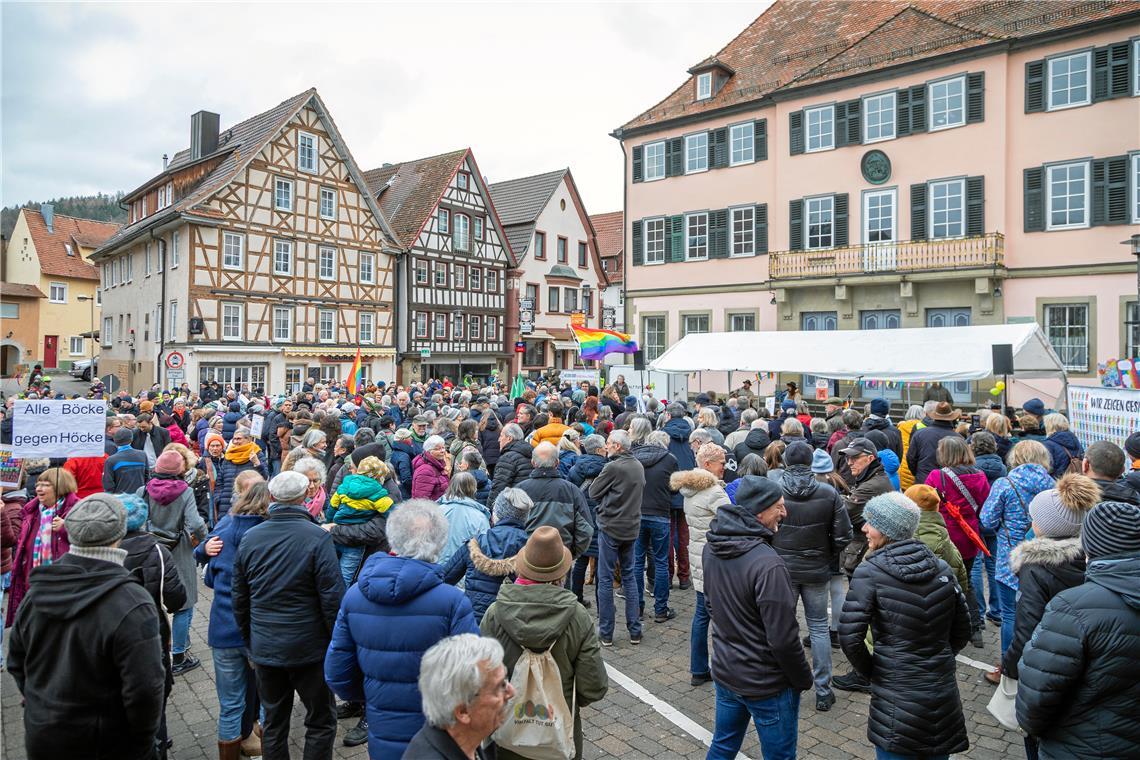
(176, 375)
(520, 347)
(175, 360)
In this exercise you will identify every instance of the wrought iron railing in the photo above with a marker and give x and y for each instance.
(903, 256)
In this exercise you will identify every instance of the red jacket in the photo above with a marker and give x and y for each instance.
(88, 472)
(9, 533)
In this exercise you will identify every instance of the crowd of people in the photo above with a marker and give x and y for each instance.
(449, 562)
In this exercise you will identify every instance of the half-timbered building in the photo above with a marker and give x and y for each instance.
(452, 282)
(257, 254)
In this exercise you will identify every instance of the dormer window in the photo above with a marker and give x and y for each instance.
(704, 85)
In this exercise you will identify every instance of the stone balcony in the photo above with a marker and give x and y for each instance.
(896, 258)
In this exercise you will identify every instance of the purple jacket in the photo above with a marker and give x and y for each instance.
(429, 481)
(22, 560)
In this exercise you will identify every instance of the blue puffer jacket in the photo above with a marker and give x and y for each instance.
(486, 561)
(227, 474)
(582, 473)
(679, 430)
(992, 466)
(482, 486)
(1063, 447)
(230, 420)
(223, 632)
(402, 455)
(398, 609)
(566, 460)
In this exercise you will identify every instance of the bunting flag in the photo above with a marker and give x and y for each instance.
(354, 375)
(595, 344)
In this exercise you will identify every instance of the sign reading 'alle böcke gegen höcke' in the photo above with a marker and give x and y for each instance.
(74, 428)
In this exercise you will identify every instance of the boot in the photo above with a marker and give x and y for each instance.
(230, 750)
(251, 745)
(591, 570)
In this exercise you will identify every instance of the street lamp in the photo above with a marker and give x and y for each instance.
(1134, 243)
(91, 335)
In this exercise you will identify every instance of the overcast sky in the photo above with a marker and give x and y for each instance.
(94, 94)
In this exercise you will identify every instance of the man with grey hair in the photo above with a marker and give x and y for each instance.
(736, 437)
(466, 697)
(287, 589)
(398, 609)
(514, 463)
(557, 502)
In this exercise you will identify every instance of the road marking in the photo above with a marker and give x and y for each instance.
(973, 663)
(664, 709)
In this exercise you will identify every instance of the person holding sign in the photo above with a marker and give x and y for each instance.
(43, 537)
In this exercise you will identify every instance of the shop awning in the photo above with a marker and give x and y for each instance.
(337, 353)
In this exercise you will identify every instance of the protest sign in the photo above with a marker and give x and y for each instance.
(575, 376)
(73, 428)
(9, 469)
(255, 426)
(1103, 414)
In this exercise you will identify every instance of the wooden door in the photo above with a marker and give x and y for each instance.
(51, 346)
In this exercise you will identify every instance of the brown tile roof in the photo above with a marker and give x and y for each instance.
(20, 290)
(799, 42)
(611, 240)
(414, 190)
(51, 247)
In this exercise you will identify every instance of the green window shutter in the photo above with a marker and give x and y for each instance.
(796, 132)
(1034, 191)
(637, 164)
(761, 228)
(840, 125)
(841, 220)
(975, 97)
(718, 234)
(796, 224)
(1110, 190)
(718, 147)
(902, 113)
(918, 108)
(1034, 86)
(975, 206)
(638, 244)
(855, 122)
(675, 157)
(918, 211)
(1110, 71)
(677, 238)
(760, 135)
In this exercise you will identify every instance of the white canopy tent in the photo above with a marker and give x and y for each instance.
(915, 354)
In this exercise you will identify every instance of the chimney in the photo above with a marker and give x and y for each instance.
(165, 161)
(47, 210)
(203, 134)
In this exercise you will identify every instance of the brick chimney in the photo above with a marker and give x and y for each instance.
(203, 134)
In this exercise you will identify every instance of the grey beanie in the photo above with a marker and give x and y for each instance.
(123, 436)
(288, 487)
(1111, 528)
(893, 515)
(1051, 518)
(98, 520)
(512, 504)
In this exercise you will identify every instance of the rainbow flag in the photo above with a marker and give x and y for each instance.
(595, 344)
(354, 375)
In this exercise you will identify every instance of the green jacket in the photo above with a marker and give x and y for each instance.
(932, 532)
(542, 615)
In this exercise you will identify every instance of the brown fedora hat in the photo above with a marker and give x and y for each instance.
(544, 558)
(945, 412)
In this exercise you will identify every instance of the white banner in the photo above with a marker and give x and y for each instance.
(73, 428)
(575, 376)
(1103, 414)
(255, 426)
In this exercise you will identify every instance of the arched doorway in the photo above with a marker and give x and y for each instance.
(9, 358)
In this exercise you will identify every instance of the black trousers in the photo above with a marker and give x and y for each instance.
(276, 687)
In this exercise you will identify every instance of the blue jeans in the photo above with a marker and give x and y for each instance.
(231, 673)
(655, 533)
(814, 596)
(5, 582)
(350, 557)
(994, 609)
(777, 723)
(699, 639)
(180, 631)
(274, 467)
(838, 591)
(1008, 598)
(613, 553)
(882, 754)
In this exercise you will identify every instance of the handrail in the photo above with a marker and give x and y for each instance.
(902, 256)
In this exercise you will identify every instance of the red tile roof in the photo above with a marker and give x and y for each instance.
(799, 42)
(409, 191)
(51, 247)
(611, 240)
(20, 290)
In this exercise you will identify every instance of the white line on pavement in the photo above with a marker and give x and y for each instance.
(973, 663)
(666, 710)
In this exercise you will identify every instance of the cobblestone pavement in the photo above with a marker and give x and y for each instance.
(623, 725)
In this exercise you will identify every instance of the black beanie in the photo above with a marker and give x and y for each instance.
(756, 493)
(798, 452)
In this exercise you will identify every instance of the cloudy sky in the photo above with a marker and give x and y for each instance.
(93, 94)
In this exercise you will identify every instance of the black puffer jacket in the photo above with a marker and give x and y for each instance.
(1044, 568)
(922, 454)
(1080, 673)
(894, 437)
(816, 529)
(754, 443)
(659, 465)
(512, 468)
(160, 579)
(918, 618)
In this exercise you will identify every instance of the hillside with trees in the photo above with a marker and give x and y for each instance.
(102, 207)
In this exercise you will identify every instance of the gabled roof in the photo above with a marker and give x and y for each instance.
(408, 192)
(519, 237)
(238, 146)
(611, 235)
(520, 201)
(20, 290)
(51, 247)
(803, 42)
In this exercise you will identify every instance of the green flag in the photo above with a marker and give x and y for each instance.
(517, 387)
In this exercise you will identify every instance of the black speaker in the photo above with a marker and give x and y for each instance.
(639, 360)
(1003, 359)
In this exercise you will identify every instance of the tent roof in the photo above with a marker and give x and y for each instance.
(906, 355)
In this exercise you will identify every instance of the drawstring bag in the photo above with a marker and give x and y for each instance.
(540, 725)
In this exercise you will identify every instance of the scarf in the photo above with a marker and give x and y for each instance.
(41, 549)
(316, 504)
(240, 453)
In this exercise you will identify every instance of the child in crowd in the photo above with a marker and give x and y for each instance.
(360, 498)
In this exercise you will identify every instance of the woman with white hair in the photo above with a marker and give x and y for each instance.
(431, 470)
(398, 609)
(315, 494)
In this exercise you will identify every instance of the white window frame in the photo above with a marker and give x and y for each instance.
(475, 278)
(822, 144)
(689, 255)
(227, 239)
(173, 321)
(366, 336)
(704, 85)
(1136, 66)
(685, 324)
(280, 246)
(129, 267)
(748, 143)
(478, 230)
(748, 232)
(367, 273)
(931, 212)
(658, 150)
(282, 189)
(664, 240)
(439, 274)
(175, 258)
(61, 289)
(444, 223)
(326, 254)
(461, 180)
(458, 329)
(891, 193)
(439, 326)
(1049, 169)
(311, 166)
(240, 312)
(475, 328)
(330, 194)
(71, 343)
(491, 281)
(287, 312)
(161, 258)
(459, 276)
(146, 260)
(330, 315)
(492, 331)
(960, 80)
(700, 143)
(1135, 158)
(107, 336)
(1045, 313)
(462, 234)
(661, 329)
(1050, 62)
(820, 199)
(878, 99)
(421, 321)
(746, 315)
(421, 267)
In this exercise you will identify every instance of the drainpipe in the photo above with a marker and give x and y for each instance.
(397, 271)
(161, 326)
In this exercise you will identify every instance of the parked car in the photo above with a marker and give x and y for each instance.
(85, 369)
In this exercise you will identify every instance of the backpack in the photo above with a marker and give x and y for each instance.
(540, 725)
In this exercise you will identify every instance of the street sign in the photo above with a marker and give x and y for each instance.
(111, 383)
(175, 360)
(175, 375)
(526, 315)
(578, 319)
(425, 353)
(608, 322)
(520, 347)
(526, 304)
(526, 328)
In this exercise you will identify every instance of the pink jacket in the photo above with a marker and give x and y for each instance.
(22, 561)
(978, 485)
(429, 481)
(177, 436)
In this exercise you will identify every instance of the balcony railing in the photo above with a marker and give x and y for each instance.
(904, 256)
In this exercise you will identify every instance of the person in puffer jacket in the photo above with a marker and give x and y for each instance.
(230, 420)
(916, 612)
(656, 506)
(679, 428)
(1063, 446)
(361, 497)
(486, 562)
(1079, 676)
(756, 442)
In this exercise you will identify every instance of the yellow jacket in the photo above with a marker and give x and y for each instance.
(906, 429)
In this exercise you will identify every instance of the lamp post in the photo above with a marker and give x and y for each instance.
(1134, 246)
(92, 334)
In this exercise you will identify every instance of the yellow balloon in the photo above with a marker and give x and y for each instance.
(1000, 385)
(995, 392)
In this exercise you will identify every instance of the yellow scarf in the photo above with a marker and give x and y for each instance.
(240, 453)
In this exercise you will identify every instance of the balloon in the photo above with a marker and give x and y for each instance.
(1000, 385)
(995, 391)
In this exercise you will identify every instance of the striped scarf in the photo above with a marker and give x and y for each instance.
(41, 549)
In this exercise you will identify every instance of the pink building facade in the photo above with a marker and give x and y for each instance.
(850, 182)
